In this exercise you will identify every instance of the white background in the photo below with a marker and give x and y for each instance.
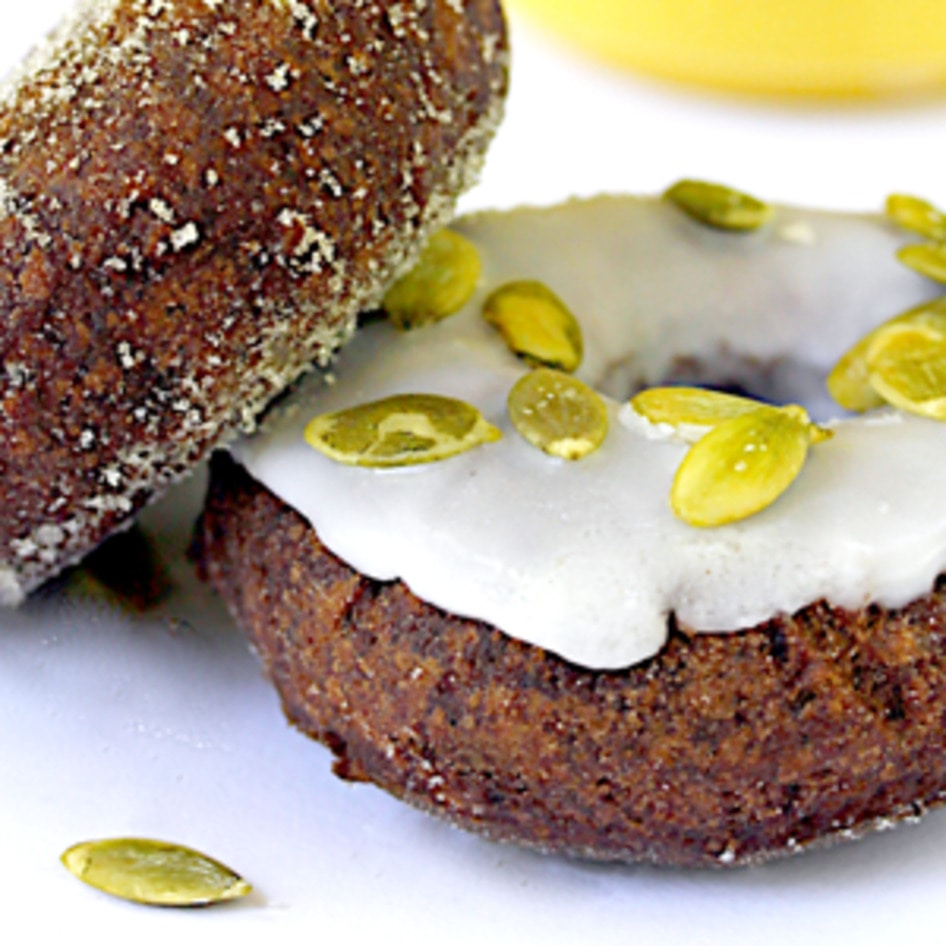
(164, 727)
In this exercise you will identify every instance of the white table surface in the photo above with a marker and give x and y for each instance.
(164, 726)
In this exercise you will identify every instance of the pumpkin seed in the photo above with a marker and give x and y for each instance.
(536, 324)
(696, 407)
(442, 281)
(701, 408)
(928, 259)
(918, 215)
(849, 382)
(558, 413)
(400, 430)
(719, 206)
(907, 368)
(154, 872)
(741, 466)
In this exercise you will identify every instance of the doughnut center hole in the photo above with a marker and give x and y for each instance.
(785, 381)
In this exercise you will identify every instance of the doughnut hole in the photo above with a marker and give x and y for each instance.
(779, 382)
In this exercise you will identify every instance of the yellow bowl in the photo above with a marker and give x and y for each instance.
(810, 47)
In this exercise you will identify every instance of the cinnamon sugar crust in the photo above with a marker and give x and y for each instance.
(196, 199)
(723, 749)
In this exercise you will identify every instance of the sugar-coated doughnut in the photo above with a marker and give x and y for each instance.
(196, 198)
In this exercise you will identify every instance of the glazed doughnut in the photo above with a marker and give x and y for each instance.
(539, 649)
(197, 199)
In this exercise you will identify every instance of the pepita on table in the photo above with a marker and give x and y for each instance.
(156, 873)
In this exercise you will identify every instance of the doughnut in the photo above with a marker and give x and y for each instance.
(196, 199)
(541, 649)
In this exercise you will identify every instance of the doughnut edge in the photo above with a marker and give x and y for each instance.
(738, 748)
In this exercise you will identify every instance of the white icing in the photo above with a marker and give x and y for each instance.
(585, 558)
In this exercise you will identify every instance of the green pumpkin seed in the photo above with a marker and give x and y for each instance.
(154, 872)
(697, 408)
(558, 413)
(690, 407)
(741, 466)
(849, 381)
(401, 430)
(719, 206)
(928, 259)
(907, 367)
(918, 215)
(536, 324)
(440, 284)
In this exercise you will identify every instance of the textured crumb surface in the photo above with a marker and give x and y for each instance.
(196, 198)
(721, 750)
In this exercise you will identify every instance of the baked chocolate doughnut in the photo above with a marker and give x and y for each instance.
(769, 684)
(196, 198)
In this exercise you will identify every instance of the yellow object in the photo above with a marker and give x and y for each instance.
(811, 47)
(536, 324)
(439, 285)
(849, 381)
(558, 413)
(400, 430)
(907, 367)
(741, 466)
(690, 407)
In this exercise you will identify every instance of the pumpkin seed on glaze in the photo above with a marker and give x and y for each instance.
(717, 205)
(690, 407)
(401, 430)
(557, 413)
(536, 324)
(849, 380)
(742, 466)
(156, 873)
(928, 259)
(918, 215)
(440, 283)
(907, 368)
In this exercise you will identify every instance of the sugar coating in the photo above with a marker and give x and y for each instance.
(196, 200)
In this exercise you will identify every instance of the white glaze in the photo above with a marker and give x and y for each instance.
(586, 559)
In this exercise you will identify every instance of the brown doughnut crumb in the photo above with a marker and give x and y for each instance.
(196, 199)
(723, 749)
